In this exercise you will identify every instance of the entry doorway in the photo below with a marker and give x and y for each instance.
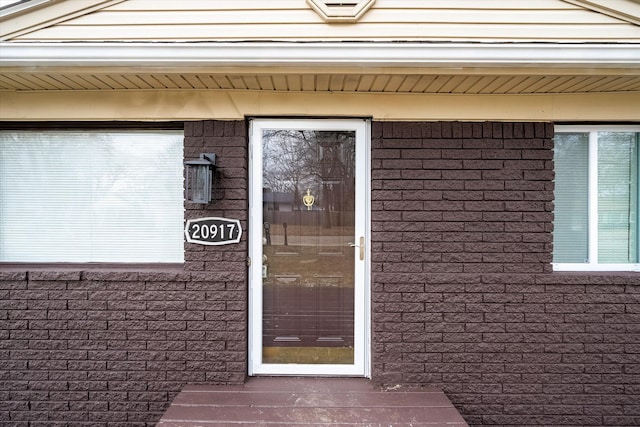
(309, 247)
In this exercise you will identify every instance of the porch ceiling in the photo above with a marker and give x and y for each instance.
(550, 82)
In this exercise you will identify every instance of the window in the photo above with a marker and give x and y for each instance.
(91, 196)
(596, 198)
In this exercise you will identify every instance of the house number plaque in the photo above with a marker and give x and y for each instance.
(213, 231)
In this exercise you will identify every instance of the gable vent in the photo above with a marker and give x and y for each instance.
(341, 11)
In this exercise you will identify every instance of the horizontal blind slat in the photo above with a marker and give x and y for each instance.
(91, 196)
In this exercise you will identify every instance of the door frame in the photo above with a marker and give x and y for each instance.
(362, 309)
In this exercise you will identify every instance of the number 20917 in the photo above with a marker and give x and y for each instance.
(213, 231)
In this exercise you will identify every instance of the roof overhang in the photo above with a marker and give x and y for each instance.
(273, 54)
(348, 67)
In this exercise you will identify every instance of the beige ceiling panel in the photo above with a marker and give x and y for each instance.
(92, 80)
(630, 84)
(335, 82)
(524, 85)
(601, 85)
(466, 84)
(161, 81)
(513, 84)
(437, 84)
(380, 82)
(186, 83)
(393, 85)
(351, 83)
(541, 85)
(266, 82)
(366, 82)
(236, 82)
(7, 82)
(118, 81)
(222, 82)
(139, 82)
(618, 84)
(452, 85)
(479, 84)
(194, 80)
(280, 82)
(323, 82)
(423, 83)
(294, 82)
(251, 82)
(52, 83)
(308, 82)
(28, 82)
(563, 84)
(586, 84)
(408, 83)
(207, 81)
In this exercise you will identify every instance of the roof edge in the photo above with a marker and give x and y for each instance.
(626, 10)
(354, 54)
(42, 14)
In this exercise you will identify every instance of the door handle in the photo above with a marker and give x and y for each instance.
(361, 246)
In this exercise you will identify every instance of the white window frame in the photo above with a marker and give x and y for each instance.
(592, 263)
(130, 244)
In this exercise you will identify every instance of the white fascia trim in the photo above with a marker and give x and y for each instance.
(20, 7)
(370, 54)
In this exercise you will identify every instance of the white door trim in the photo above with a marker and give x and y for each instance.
(362, 328)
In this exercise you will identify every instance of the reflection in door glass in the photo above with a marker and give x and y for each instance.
(308, 265)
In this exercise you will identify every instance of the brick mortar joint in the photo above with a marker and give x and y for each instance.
(54, 274)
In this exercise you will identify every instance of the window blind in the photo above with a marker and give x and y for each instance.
(91, 196)
(617, 197)
(571, 222)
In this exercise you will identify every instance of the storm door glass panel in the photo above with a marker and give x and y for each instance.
(617, 197)
(308, 264)
(571, 224)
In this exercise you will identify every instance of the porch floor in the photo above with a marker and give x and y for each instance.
(288, 401)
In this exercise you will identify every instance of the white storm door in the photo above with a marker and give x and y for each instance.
(309, 247)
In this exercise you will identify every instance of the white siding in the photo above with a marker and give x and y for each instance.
(437, 20)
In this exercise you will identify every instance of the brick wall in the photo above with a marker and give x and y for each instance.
(112, 347)
(463, 297)
(463, 293)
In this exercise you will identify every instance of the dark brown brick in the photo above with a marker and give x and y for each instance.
(463, 297)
